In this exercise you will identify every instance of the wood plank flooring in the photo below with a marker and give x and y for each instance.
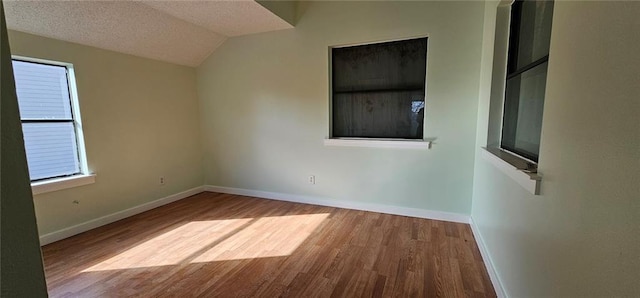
(219, 245)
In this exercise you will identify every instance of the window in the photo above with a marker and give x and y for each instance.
(530, 33)
(378, 90)
(50, 119)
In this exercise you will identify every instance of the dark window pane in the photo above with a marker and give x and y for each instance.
(524, 103)
(392, 65)
(379, 89)
(397, 114)
(534, 32)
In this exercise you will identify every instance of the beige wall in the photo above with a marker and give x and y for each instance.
(580, 238)
(264, 102)
(140, 120)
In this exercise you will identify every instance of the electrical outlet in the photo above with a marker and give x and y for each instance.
(162, 181)
(312, 179)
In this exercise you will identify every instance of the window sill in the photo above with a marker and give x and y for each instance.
(530, 181)
(41, 187)
(379, 143)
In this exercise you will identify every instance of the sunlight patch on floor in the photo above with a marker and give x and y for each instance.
(172, 247)
(218, 240)
(267, 237)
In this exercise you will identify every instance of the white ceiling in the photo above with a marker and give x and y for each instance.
(181, 32)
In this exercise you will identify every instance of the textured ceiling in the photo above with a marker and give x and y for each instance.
(230, 18)
(181, 32)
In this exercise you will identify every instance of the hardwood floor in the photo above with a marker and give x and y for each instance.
(219, 245)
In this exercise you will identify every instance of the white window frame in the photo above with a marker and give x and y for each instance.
(530, 162)
(509, 163)
(85, 177)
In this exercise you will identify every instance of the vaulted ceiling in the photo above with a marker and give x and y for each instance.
(178, 31)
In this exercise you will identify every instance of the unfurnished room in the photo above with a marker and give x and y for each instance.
(320, 148)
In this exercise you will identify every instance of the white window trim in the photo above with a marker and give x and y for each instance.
(56, 184)
(530, 181)
(75, 109)
(378, 143)
(84, 177)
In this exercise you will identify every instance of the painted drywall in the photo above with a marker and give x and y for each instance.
(140, 122)
(264, 102)
(284, 9)
(22, 273)
(580, 237)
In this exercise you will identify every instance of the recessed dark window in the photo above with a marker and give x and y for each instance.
(378, 90)
(529, 38)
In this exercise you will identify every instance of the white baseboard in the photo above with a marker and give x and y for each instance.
(488, 263)
(380, 208)
(107, 219)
